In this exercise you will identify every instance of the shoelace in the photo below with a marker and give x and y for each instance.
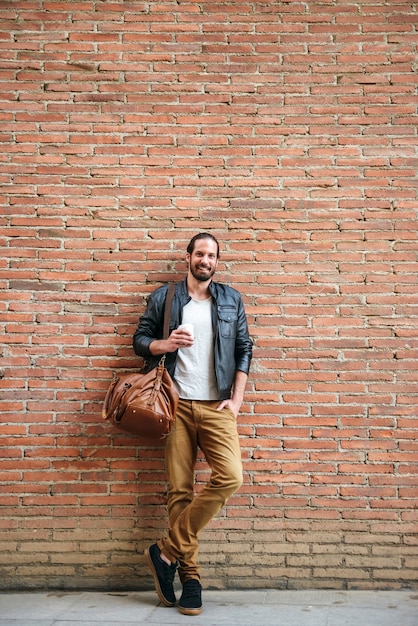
(169, 573)
(191, 589)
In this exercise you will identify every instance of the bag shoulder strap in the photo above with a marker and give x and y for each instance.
(167, 310)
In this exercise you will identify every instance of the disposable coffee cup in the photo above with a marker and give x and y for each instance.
(188, 328)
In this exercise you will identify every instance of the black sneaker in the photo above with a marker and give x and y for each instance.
(163, 575)
(191, 598)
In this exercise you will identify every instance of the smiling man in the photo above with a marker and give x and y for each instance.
(208, 355)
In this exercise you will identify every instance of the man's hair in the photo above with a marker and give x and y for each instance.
(191, 245)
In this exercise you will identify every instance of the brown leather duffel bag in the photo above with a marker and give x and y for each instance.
(144, 404)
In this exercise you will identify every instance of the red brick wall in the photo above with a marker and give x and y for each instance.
(289, 130)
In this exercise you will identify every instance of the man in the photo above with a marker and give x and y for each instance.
(209, 366)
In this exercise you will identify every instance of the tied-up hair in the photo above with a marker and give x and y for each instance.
(191, 245)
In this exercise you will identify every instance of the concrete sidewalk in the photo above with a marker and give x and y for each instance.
(221, 608)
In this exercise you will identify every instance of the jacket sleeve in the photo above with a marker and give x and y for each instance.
(243, 343)
(150, 326)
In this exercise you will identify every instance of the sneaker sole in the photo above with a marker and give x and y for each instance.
(156, 581)
(190, 611)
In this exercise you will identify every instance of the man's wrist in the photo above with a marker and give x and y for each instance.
(157, 347)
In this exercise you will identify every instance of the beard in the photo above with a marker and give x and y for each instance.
(201, 273)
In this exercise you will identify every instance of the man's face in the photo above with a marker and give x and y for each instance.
(203, 261)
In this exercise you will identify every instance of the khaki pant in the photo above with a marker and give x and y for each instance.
(198, 424)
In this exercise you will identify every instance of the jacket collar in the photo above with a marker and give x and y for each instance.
(185, 292)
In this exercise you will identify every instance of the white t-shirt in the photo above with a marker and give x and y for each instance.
(194, 375)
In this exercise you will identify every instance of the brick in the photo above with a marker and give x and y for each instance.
(279, 128)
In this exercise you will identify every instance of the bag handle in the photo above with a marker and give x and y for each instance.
(167, 311)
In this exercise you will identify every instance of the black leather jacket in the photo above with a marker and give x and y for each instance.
(232, 343)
